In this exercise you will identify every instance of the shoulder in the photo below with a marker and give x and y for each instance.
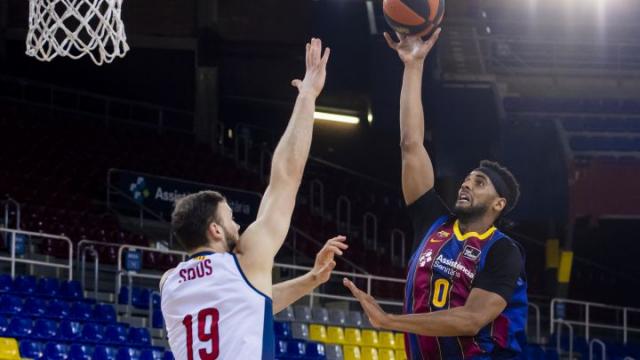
(164, 277)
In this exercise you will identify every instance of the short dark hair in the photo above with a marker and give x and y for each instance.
(192, 215)
(512, 193)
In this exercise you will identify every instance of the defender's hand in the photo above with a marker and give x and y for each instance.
(325, 262)
(316, 73)
(412, 49)
(378, 317)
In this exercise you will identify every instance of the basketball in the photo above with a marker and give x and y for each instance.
(413, 17)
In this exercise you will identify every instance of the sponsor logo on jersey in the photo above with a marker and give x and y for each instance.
(426, 257)
(443, 234)
(435, 241)
(471, 253)
(452, 267)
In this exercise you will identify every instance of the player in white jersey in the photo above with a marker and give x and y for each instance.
(219, 303)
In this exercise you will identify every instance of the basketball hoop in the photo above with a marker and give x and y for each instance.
(75, 28)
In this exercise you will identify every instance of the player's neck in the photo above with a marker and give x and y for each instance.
(479, 225)
(207, 248)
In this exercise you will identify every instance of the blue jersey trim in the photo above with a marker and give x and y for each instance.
(268, 334)
(235, 258)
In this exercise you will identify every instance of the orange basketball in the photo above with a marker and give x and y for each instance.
(414, 17)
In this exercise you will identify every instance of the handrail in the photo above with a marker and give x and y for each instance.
(366, 236)
(536, 308)
(317, 208)
(7, 209)
(603, 348)
(96, 269)
(346, 224)
(13, 260)
(394, 235)
(586, 320)
(559, 338)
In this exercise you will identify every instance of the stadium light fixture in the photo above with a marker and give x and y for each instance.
(340, 118)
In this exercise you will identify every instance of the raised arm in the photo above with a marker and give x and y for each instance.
(262, 239)
(417, 170)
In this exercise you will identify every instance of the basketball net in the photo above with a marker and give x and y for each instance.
(75, 28)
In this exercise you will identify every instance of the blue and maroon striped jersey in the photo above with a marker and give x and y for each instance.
(441, 275)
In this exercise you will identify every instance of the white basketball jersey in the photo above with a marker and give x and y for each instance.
(212, 312)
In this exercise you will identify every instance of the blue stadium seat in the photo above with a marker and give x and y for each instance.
(80, 352)
(102, 352)
(45, 329)
(127, 353)
(156, 301)
(123, 295)
(20, 328)
(4, 325)
(92, 333)
(104, 313)
(48, 287)
(296, 348)
(80, 311)
(157, 321)
(31, 349)
(34, 306)
(142, 300)
(71, 290)
(152, 354)
(10, 304)
(56, 351)
(168, 355)
(315, 351)
(69, 331)
(116, 334)
(6, 283)
(24, 284)
(281, 349)
(58, 309)
(139, 337)
(282, 330)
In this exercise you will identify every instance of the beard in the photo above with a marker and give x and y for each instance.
(231, 238)
(467, 214)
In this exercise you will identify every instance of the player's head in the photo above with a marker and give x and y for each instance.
(489, 189)
(205, 219)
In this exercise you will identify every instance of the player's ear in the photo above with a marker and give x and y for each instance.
(499, 204)
(215, 230)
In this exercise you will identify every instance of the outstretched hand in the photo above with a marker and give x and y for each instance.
(316, 73)
(411, 48)
(325, 258)
(377, 317)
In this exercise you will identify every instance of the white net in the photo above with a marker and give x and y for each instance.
(75, 28)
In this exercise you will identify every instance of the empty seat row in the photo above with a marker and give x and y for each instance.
(56, 309)
(322, 315)
(52, 350)
(299, 349)
(43, 287)
(339, 335)
(141, 298)
(71, 331)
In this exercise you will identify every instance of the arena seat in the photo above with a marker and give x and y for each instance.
(139, 336)
(80, 352)
(399, 341)
(69, 330)
(300, 330)
(334, 352)
(337, 317)
(286, 314)
(56, 351)
(92, 333)
(157, 320)
(6, 283)
(24, 285)
(335, 335)
(10, 304)
(4, 325)
(354, 318)
(401, 355)
(45, 329)
(351, 352)
(104, 313)
(80, 311)
(282, 330)
(128, 353)
(318, 332)
(320, 315)
(352, 336)
(30, 349)
(48, 287)
(34, 306)
(20, 327)
(369, 353)
(302, 313)
(387, 339)
(386, 354)
(71, 290)
(151, 354)
(116, 334)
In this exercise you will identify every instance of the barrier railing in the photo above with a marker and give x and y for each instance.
(343, 215)
(96, 269)
(536, 309)
(603, 349)
(398, 235)
(587, 323)
(370, 230)
(8, 205)
(559, 338)
(13, 259)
